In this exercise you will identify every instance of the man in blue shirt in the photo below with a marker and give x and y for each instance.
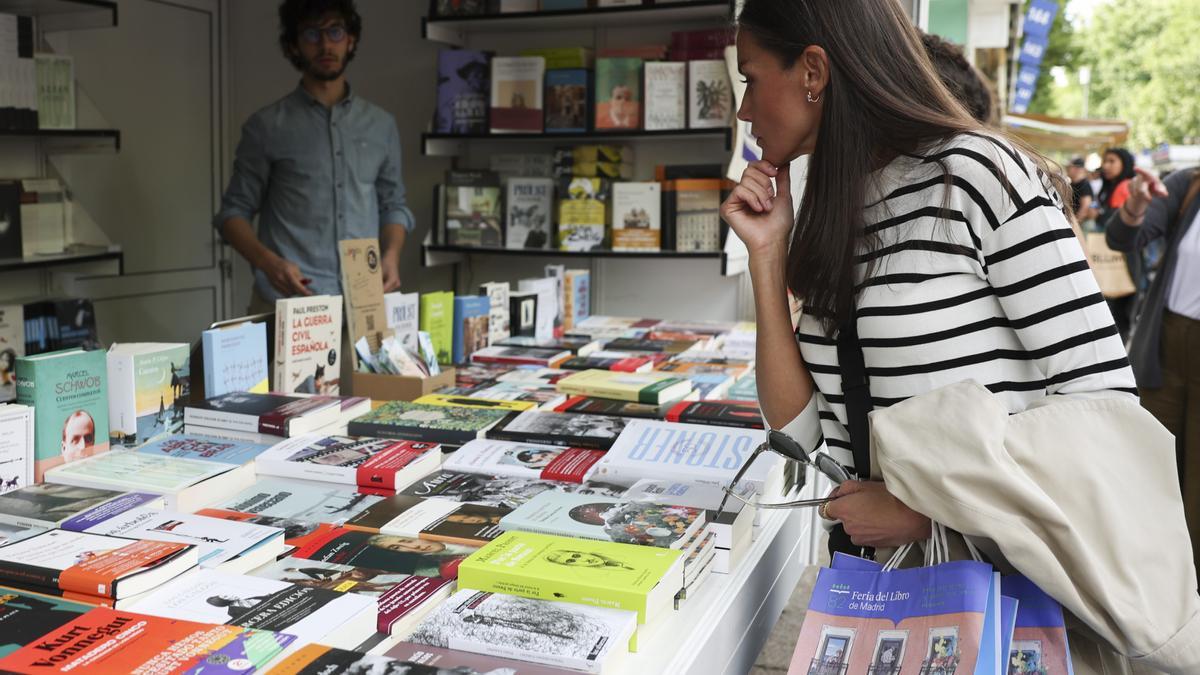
(318, 166)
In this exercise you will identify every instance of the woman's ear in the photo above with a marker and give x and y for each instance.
(813, 65)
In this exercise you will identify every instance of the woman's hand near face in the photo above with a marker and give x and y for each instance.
(761, 215)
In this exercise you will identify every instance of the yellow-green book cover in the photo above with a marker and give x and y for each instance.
(652, 387)
(437, 319)
(643, 579)
(472, 402)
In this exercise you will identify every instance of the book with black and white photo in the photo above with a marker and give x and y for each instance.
(311, 614)
(508, 493)
(589, 639)
(373, 464)
(531, 461)
(50, 505)
(527, 208)
(551, 428)
(473, 214)
(451, 425)
(272, 414)
(607, 519)
(710, 96)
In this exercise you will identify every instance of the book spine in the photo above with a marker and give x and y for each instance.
(122, 399)
(443, 436)
(34, 576)
(601, 391)
(279, 376)
(213, 418)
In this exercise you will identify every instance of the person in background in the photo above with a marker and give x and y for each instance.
(1082, 196)
(964, 80)
(1165, 346)
(1116, 172)
(318, 166)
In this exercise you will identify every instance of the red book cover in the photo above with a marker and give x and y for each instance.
(631, 365)
(742, 414)
(377, 475)
(523, 119)
(276, 421)
(405, 597)
(572, 466)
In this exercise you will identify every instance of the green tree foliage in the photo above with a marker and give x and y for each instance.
(1145, 58)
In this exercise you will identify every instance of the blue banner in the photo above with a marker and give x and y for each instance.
(1040, 17)
(1033, 49)
(1026, 86)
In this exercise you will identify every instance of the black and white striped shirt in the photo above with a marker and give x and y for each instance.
(990, 286)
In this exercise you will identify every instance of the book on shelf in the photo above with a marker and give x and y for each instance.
(528, 208)
(310, 614)
(437, 319)
(463, 90)
(580, 637)
(474, 402)
(642, 579)
(403, 317)
(16, 446)
(117, 641)
(148, 384)
(498, 319)
(710, 96)
(666, 95)
(20, 103)
(269, 414)
(517, 94)
(43, 216)
(560, 58)
(692, 206)
(618, 93)
(654, 387)
(620, 364)
(12, 346)
(452, 425)
(530, 461)
(308, 343)
(717, 413)
(59, 324)
(11, 245)
(371, 464)
(225, 545)
(569, 429)
(50, 505)
(577, 298)
(473, 215)
(637, 216)
(522, 356)
(685, 452)
(69, 392)
(55, 80)
(470, 326)
(28, 616)
(235, 359)
(547, 290)
(606, 519)
(92, 567)
(567, 100)
(186, 484)
(522, 310)
(386, 552)
(608, 406)
(582, 214)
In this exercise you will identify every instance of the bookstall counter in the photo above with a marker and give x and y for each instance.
(724, 626)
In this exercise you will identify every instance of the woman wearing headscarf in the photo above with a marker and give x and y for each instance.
(1117, 172)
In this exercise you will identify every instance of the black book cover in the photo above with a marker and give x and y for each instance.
(567, 429)
(717, 413)
(10, 220)
(603, 406)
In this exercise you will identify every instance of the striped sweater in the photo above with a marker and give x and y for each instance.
(990, 286)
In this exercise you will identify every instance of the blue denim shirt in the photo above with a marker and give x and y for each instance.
(315, 176)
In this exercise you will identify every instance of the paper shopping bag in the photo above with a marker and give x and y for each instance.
(1039, 642)
(926, 620)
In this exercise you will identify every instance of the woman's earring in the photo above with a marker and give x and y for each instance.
(813, 100)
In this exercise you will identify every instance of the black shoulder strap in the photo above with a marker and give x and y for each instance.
(857, 392)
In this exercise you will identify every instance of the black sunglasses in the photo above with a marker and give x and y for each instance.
(782, 444)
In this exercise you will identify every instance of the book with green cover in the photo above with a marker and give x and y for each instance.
(437, 319)
(451, 425)
(69, 392)
(643, 579)
(653, 387)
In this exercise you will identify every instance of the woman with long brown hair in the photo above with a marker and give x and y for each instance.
(940, 245)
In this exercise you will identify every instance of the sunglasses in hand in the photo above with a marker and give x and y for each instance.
(782, 444)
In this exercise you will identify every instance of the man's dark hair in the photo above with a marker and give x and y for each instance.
(960, 77)
(293, 13)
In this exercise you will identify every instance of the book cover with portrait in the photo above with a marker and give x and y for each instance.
(69, 391)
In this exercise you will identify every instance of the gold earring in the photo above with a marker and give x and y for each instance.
(811, 99)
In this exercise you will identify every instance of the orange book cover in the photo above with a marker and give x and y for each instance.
(97, 574)
(110, 641)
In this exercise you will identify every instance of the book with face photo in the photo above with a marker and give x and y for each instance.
(607, 519)
(462, 91)
(508, 493)
(523, 460)
(528, 210)
(49, 505)
(551, 428)
(301, 502)
(387, 552)
(69, 391)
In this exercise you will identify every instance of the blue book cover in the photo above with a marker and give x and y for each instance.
(463, 91)
(1039, 640)
(1008, 623)
(235, 359)
(470, 325)
(567, 104)
(193, 446)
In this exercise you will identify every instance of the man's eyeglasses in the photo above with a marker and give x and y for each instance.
(333, 33)
(780, 443)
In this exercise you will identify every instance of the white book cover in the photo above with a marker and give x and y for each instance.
(547, 305)
(338, 459)
(710, 96)
(683, 452)
(149, 384)
(517, 93)
(16, 447)
(498, 319)
(183, 482)
(637, 216)
(279, 498)
(666, 95)
(59, 549)
(560, 634)
(12, 345)
(558, 273)
(527, 211)
(403, 317)
(308, 342)
(208, 596)
(218, 541)
(502, 458)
